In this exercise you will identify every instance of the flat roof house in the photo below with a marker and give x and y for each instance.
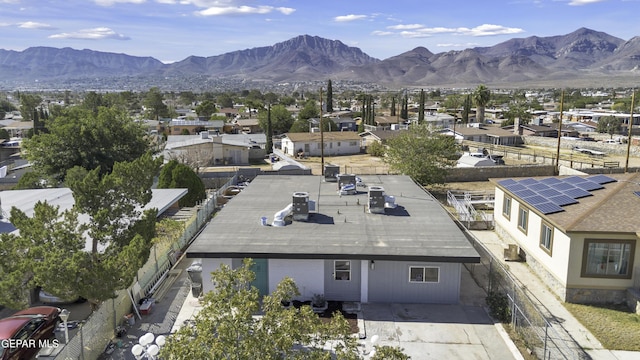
(579, 233)
(386, 241)
(335, 143)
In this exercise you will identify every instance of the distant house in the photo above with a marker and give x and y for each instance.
(380, 136)
(345, 123)
(359, 247)
(580, 234)
(177, 127)
(206, 150)
(489, 135)
(335, 143)
(247, 126)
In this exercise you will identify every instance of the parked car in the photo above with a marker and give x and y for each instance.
(51, 299)
(24, 333)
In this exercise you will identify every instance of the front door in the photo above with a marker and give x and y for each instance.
(260, 267)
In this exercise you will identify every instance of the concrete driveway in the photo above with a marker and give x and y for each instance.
(437, 331)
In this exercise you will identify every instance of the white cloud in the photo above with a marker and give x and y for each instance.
(482, 30)
(99, 33)
(243, 10)
(451, 45)
(350, 17)
(405, 27)
(35, 25)
(583, 2)
(112, 2)
(382, 33)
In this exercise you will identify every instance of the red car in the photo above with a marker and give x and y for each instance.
(24, 333)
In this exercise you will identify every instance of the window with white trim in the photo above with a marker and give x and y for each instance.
(420, 274)
(342, 270)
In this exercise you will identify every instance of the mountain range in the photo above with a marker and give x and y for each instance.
(584, 58)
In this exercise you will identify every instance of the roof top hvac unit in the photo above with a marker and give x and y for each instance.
(347, 184)
(378, 200)
(331, 172)
(302, 205)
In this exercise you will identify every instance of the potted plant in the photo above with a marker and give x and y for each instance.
(319, 303)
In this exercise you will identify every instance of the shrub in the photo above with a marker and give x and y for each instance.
(499, 306)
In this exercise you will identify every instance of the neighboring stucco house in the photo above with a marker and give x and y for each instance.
(207, 150)
(335, 143)
(176, 127)
(365, 246)
(489, 135)
(380, 136)
(578, 233)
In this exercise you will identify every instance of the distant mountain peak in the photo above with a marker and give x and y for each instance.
(583, 54)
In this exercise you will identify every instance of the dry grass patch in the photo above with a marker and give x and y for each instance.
(613, 325)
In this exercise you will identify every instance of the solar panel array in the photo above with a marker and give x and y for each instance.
(549, 195)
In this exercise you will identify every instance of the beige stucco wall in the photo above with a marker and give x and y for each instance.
(556, 263)
(562, 270)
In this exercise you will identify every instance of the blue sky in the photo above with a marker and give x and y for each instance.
(171, 30)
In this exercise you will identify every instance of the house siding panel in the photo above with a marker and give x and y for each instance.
(308, 275)
(389, 282)
(208, 266)
(342, 290)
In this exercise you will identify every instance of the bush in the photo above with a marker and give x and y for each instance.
(375, 149)
(499, 306)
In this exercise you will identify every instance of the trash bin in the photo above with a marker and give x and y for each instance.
(195, 275)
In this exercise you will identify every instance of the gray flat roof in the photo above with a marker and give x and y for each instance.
(418, 229)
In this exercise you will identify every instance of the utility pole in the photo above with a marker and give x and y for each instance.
(559, 133)
(321, 137)
(626, 164)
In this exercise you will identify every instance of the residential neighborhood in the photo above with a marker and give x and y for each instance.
(369, 242)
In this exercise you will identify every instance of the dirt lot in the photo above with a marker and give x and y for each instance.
(353, 164)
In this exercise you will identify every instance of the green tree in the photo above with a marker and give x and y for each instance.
(225, 101)
(421, 107)
(518, 109)
(206, 109)
(226, 328)
(393, 106)
(421, 154)
(31, 180)
(176, 175)
(466, 108)
(376, 149)
(28, 105)
(92, 101)
(79, 138)
(187, 98)
(51, 242)
(281, 119)
(481, 97)
(154, 104)
(4, 134)
(609, 125)
(309, 111)
(329, 97)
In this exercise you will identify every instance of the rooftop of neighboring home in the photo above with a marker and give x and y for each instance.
(416, 229)
(328, 136)
(25, 200)
(609, 206)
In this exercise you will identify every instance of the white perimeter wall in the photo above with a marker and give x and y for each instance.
(307, 274)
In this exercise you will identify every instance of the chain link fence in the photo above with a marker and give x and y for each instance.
(94, 335)
(528, 318)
